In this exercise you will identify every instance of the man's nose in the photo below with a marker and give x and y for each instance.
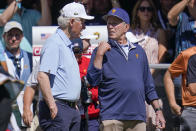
(14, 37)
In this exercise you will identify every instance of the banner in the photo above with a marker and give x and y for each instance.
(41, 33)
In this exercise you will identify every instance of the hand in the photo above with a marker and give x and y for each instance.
(103, 47)
(176, 109)
(53, 110)
(27, 117)
(160, 120)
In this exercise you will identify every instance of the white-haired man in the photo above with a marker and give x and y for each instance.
(59, 76)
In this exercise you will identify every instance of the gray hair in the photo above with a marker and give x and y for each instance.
(63, 21)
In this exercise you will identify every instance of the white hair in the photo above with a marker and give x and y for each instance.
(63, 21)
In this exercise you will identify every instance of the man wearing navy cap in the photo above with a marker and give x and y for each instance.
(121, 70)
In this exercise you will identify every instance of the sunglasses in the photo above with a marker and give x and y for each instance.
(17, 64)
(17, 36)
(142, 9)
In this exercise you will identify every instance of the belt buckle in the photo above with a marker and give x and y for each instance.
(72, 104)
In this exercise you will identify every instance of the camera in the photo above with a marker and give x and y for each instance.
(85, 95)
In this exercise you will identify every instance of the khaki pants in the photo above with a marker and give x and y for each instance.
(128, 125)
(34, 125)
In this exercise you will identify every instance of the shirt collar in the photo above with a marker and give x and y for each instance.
(132, 38)
(131, 45)
(11, 56)
(63, 37)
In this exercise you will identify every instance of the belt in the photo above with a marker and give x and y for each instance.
(190, 108)
(69, 103)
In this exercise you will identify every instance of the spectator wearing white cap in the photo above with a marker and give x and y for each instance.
(19, 62)
(86, 37)
(26, 17)
(59, 76)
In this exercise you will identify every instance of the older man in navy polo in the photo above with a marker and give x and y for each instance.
(59, 76)
(121, 70)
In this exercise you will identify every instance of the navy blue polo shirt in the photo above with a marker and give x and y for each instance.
(125, 82)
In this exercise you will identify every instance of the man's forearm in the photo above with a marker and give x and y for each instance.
(8, 13)
(28, 97)
(173, 14)
(98, 61)
(169, 88)
(44, 84)
(45, 19)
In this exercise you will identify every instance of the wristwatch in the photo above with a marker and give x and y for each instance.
(158, 109)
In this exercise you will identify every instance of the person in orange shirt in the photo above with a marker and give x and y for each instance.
(93, 110)
(177, 68)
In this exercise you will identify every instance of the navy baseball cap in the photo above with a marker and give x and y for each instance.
(77, 45)
(120, 13)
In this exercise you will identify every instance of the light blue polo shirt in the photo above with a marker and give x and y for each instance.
(57, 59)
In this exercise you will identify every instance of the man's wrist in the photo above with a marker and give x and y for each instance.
(157, 109)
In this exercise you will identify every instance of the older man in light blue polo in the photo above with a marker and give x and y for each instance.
(59, 76)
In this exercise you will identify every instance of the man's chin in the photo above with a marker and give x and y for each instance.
(14, 48)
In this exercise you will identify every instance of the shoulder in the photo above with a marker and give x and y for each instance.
(138, 47)
(27, 54)
(53, 41)
(31, 11)
(189, 52)
(160, 31)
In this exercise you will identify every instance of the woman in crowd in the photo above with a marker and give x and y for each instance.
(152, 39)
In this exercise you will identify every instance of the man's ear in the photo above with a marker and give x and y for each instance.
(127, 26)
(22, 35)
(71, 22)
(4, 35)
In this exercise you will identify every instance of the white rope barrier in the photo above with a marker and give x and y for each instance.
(159, 66)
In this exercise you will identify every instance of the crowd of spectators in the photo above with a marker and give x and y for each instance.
(163, 28)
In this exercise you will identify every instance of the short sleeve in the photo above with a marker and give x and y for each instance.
(177, 67)
(191, 70)
(49, 58)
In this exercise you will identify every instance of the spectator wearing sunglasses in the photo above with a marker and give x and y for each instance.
(152, 39)
(27, 18)
(19, 62)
